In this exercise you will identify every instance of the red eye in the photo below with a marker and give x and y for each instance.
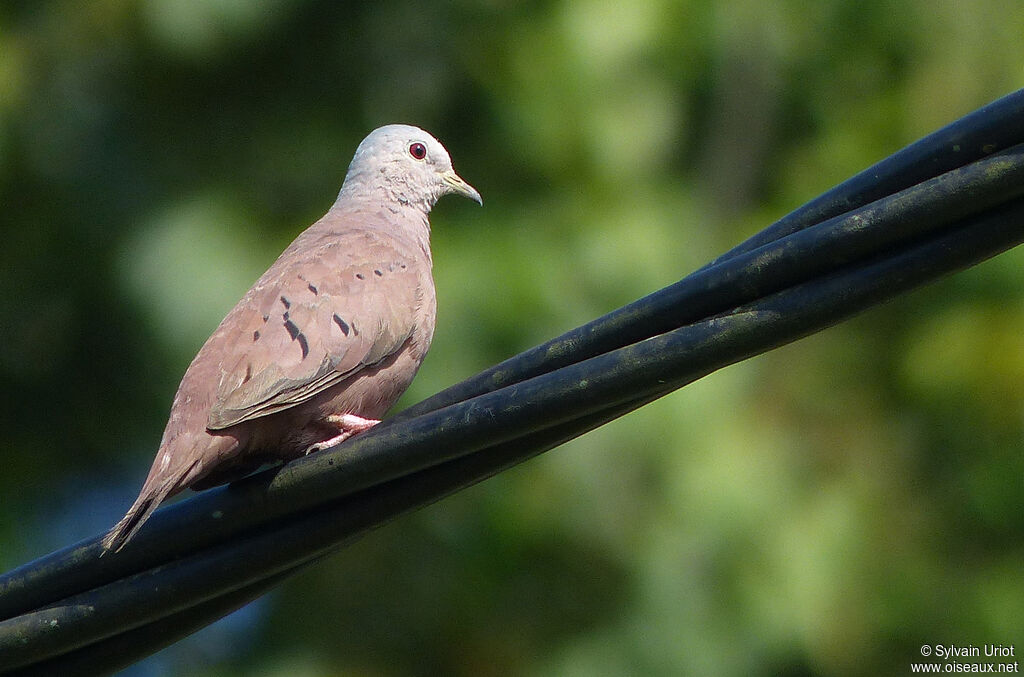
(418, 151)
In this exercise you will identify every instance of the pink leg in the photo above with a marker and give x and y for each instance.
(348, 425)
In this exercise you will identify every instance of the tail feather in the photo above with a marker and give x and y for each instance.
(158, 486)
(174, 469)
(144, 505)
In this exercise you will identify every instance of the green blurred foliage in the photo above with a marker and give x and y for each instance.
(821, 510)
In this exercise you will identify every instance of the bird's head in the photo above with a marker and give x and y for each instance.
(405, 167)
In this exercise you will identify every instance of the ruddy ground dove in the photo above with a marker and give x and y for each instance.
(325, 341)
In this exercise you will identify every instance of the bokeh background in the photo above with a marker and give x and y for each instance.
(821, 510)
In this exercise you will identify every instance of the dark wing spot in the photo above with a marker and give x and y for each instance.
(378, 273)
(256, 335)
(342, 325)
(360, 276)
(309, 285)
(286, 302)
(297, 335)
(265, 318)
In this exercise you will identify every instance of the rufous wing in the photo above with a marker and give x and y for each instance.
(315, 318)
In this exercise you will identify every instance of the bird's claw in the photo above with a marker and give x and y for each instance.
(348, 425)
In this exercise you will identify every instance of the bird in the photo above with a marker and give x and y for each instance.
(324, 342)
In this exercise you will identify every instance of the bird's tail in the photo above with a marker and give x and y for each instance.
(140, 511)
(181, 463)
(158, 486)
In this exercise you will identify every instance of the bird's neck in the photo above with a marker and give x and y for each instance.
(379, 207)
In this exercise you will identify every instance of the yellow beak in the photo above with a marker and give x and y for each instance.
(456, 185)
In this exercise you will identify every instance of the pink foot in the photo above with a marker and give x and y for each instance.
(348, 425)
